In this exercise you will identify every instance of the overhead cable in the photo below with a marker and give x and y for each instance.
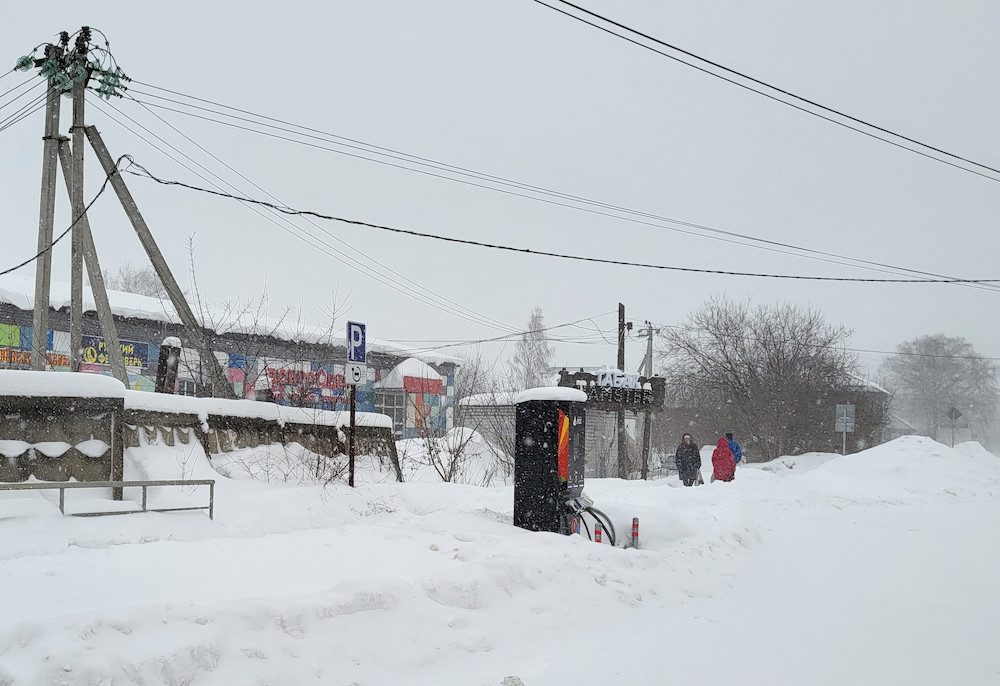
(361, 256)
(774, 88)
(69, 228)
(307, 237)
(138, 170)
(483, 180)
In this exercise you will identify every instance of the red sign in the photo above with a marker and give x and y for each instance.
(296, 377)
(416, 384)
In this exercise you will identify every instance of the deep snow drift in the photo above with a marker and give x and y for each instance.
(875, 568)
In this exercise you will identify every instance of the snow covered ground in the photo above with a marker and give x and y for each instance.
(875, 568)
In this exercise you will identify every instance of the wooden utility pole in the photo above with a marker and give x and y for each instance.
(46, 217)
(220, 383)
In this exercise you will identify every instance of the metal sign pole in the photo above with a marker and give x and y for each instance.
(350, 444)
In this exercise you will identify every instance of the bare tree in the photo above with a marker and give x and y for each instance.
(484, 402)
(533, 354)
(932, 374)
(772, 373)
(138, 280)
(244, 328)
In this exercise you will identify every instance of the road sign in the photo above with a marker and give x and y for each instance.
(356, 342)
(355, 374)
(844, 419)
(953, 414)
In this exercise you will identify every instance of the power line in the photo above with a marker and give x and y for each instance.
(18, 86)
(24, 111)
(145, 173)
(458, 306)
(765, 244)
(510, 335)
(772, 87)
(68, 228)
(677, 327)
(310, 239)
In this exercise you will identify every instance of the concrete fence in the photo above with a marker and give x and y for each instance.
(58, 426)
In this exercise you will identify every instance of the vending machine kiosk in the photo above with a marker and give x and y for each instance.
(550, 431)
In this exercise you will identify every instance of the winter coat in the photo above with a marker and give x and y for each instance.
(723, 466)
(736, 450)
(688, 462)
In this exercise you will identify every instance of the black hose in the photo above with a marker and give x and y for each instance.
(605, 522)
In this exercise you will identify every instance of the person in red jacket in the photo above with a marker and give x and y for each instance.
(723, 464)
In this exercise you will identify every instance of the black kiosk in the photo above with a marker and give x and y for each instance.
(549, 464)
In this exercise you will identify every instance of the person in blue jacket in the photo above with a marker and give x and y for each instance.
(734, 447)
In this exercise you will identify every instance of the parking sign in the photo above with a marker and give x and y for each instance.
(356, 342)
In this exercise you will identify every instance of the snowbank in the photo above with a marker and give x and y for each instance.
(867, 569)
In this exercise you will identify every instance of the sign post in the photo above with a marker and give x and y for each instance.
(953, 414)
(844, 423)
(354, 373)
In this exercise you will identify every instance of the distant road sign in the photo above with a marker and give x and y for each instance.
(953, 414)
(356, 342)
(844, 419)
(355, 374)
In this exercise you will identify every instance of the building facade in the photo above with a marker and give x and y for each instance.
(266, 362)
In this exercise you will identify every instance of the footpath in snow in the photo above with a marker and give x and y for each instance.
(875, 568)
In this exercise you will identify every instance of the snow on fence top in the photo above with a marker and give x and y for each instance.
(250, 409)
(35, 384)
(551, 393)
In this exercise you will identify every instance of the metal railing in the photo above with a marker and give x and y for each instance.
(63, 485)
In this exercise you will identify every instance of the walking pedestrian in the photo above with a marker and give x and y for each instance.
(734, 448)
(723, 466)
(688, 461)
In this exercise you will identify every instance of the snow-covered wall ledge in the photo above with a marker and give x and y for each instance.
(29, 384)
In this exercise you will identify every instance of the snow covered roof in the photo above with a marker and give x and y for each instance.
(501, 398)
(551, 393)
(411, 367)
(19, 291)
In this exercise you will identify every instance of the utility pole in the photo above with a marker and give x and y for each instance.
(622, 437)
(220, 383)
(69, 72)
(46, 217)
(647, 368)
(75, 180)
(104, 314)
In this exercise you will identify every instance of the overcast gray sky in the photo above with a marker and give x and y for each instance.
(512, 89)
